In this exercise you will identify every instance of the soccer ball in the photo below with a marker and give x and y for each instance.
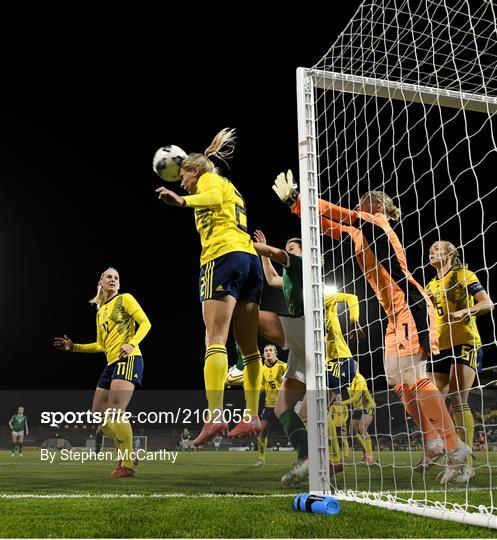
(167, 162)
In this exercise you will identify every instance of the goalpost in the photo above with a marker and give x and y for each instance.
(403, 102)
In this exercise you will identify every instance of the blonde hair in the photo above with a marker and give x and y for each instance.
(221, 147)
(391, 210)
(99, 298)
(456, 261)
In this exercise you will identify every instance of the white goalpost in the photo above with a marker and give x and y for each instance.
(403, 102)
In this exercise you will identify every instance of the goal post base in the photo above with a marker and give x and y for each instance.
(437, 510)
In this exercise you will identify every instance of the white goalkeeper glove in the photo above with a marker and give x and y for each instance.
(286, 188)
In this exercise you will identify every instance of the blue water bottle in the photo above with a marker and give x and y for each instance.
(318, 504)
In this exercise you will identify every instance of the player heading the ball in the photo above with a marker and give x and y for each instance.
(231, 280)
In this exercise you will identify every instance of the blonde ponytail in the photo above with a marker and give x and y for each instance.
(99, 298)
(391, 211)
(224, 139)
(221, 147)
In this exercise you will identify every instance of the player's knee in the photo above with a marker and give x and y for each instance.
(116, 404)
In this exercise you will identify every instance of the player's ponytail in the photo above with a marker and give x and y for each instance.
(391, 211)
(221, 147)
(453, 252)
(99, 298)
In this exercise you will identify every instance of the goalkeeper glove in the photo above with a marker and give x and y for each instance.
(286, 188)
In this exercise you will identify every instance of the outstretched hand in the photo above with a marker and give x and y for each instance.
(170, 197)
(285, 187)
(259, 237)
(63, 343)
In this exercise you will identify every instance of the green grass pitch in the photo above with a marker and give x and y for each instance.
(211, 494)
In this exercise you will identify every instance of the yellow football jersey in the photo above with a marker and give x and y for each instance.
(360, 396)
(451, 293)
(336, 346)
(271, 381)
(220, 217)
(339, 414)
(116, 321)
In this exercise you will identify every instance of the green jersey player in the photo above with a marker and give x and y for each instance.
(19, 427)
(288, 331)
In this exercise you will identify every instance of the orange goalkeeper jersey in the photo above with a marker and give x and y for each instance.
(378, 253)
(381, 257)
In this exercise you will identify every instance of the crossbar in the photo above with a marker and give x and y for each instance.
(356, 84)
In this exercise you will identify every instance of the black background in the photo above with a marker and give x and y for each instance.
(85, 107)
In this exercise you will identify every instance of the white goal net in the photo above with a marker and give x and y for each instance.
(404, 103)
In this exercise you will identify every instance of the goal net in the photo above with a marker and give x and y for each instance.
(404, 103)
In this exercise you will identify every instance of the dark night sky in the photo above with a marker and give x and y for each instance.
(84, 108)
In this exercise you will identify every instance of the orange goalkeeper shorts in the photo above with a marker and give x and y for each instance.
(412, 331)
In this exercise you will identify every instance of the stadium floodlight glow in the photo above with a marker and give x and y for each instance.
(403, 102)
(330, 289)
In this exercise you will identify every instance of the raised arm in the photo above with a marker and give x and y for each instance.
(286, 189)
(267, 254)
(272, 277)
(337, 213)
(211, 197)
(210, 194)
(352, 302)
(328, 227)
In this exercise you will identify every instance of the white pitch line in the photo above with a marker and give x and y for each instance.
(140, 496)
(204, 495)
